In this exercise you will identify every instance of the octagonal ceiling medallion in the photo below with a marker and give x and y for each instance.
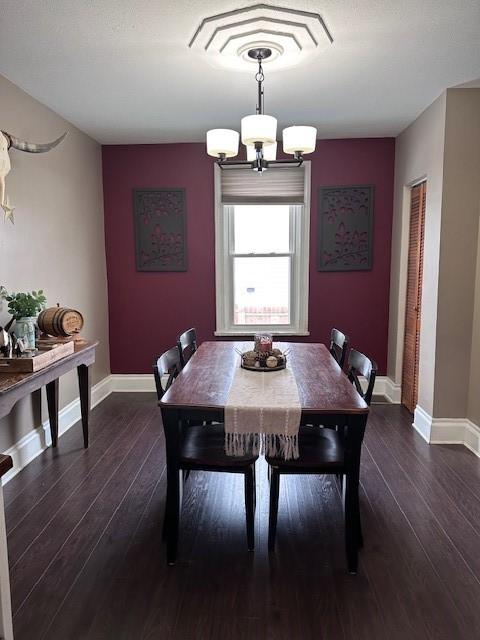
(292, 35)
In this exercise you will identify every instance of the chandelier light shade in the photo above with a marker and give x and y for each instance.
(222, 143)
(259, 134)
(259, 128)
(299, 139)
(269, 152)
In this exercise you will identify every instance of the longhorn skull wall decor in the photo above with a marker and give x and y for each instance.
(7, 141)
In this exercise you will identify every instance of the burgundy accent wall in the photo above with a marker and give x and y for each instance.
(148, 310)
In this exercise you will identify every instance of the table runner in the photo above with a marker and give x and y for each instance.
(262, 414)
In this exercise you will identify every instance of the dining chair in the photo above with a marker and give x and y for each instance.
(203, 446)
(324, 452)
(187, 345)
(339, 346)
(166, 369)
(359, 366)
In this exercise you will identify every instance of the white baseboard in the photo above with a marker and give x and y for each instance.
(385, 386)
(472, 437)
(422, 422)
(447, 430)
(37, 440)
(393, 391)
(140, 382)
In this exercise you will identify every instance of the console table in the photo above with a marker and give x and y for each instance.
(14, 386)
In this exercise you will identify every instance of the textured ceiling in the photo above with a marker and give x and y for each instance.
(122, 71)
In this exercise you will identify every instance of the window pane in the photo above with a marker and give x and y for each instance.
(261, 228)
(261, 290)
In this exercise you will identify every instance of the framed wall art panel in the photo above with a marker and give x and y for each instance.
(160, 229)
(345, 228)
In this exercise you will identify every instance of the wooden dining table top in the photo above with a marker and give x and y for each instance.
(322, 386)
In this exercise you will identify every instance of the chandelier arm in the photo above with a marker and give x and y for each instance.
(231, 164)
(298, 161)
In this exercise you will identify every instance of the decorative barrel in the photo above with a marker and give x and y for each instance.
(60, 322)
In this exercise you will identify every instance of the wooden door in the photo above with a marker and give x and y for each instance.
(411, 345)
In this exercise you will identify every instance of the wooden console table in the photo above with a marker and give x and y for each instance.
(15, 386)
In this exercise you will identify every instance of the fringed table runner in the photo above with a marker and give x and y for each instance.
(262, 414)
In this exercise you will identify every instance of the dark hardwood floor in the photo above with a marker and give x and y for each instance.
(87, 560)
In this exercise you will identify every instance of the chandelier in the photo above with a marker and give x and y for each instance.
(259, 134)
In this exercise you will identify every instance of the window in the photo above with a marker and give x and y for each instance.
(262, 251)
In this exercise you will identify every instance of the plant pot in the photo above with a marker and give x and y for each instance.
(25, 329)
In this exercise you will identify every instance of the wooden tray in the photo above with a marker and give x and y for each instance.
(46, 355)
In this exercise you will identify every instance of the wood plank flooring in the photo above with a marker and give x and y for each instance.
(87, 560)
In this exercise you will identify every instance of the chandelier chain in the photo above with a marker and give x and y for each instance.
(259, 76)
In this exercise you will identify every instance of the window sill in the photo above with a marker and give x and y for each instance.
(227, 333)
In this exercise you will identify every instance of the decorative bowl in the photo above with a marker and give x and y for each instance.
(272, 360)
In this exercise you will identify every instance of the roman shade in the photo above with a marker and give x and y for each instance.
(278, 185)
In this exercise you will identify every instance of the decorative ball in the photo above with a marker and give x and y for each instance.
(272, 362)
(250, 355)
(276, 352)
(249, 362)
(257, 364)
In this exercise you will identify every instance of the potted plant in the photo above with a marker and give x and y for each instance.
(25, 308)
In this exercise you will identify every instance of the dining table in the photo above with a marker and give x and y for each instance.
(200, 392)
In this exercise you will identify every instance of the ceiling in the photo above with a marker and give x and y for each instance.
(122, 71)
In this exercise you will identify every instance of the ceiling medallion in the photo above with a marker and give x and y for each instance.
(259, 133)
(291, 35)
(245, 51)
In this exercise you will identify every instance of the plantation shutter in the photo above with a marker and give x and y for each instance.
(276, 185)
(411, 350)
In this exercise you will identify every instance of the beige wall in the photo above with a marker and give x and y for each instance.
(473, 412)
(57, 242)
(418, 156)
(458, 253)
(442, 146)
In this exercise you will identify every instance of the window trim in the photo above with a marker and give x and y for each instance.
(223, 277)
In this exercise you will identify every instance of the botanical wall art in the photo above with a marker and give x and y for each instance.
(160, 229)
(345, 228)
